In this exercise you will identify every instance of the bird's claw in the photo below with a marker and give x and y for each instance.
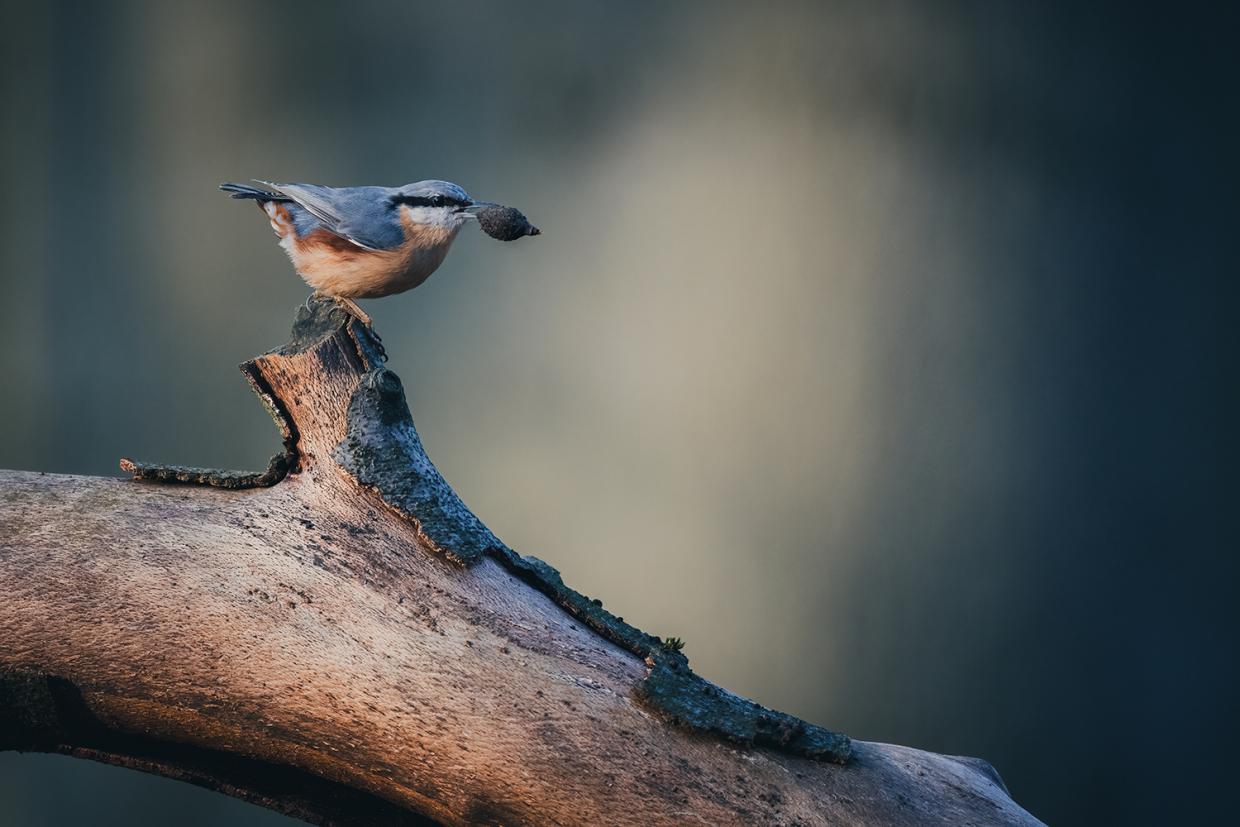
(353, 310)
(356, 312)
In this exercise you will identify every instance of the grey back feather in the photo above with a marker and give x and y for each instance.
(364, 215)
(367, 216)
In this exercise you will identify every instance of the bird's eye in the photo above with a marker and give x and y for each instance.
(436, 200)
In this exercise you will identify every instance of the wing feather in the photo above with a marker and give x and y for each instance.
(364, 216)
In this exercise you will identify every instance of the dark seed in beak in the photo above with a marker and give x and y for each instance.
(505, 223)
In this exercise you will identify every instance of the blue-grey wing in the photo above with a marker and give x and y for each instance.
(367, 216)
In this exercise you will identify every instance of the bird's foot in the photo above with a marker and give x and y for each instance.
(356, 312)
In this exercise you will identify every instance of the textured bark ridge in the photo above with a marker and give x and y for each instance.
(342, 639)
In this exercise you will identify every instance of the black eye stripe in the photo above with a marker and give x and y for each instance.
(429, 201)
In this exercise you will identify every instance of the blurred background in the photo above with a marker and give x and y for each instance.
(879, 350)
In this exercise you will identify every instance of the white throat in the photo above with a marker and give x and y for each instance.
(448, 218)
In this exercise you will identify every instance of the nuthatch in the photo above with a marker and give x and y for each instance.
(368, 242)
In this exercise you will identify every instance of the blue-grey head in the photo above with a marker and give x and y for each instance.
(444, 204)
(435, 203)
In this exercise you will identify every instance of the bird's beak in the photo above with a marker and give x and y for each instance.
(472, 209)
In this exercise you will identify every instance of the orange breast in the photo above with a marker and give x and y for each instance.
(327, 243)
(338, 267)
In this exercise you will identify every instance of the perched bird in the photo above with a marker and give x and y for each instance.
(368, 242)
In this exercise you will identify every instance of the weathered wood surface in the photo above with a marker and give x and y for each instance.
(340, 639)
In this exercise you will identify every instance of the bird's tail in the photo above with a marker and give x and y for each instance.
(245, 191)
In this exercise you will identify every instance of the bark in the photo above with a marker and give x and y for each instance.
(341, 639)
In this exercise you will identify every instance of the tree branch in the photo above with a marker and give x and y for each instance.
(341, 639)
